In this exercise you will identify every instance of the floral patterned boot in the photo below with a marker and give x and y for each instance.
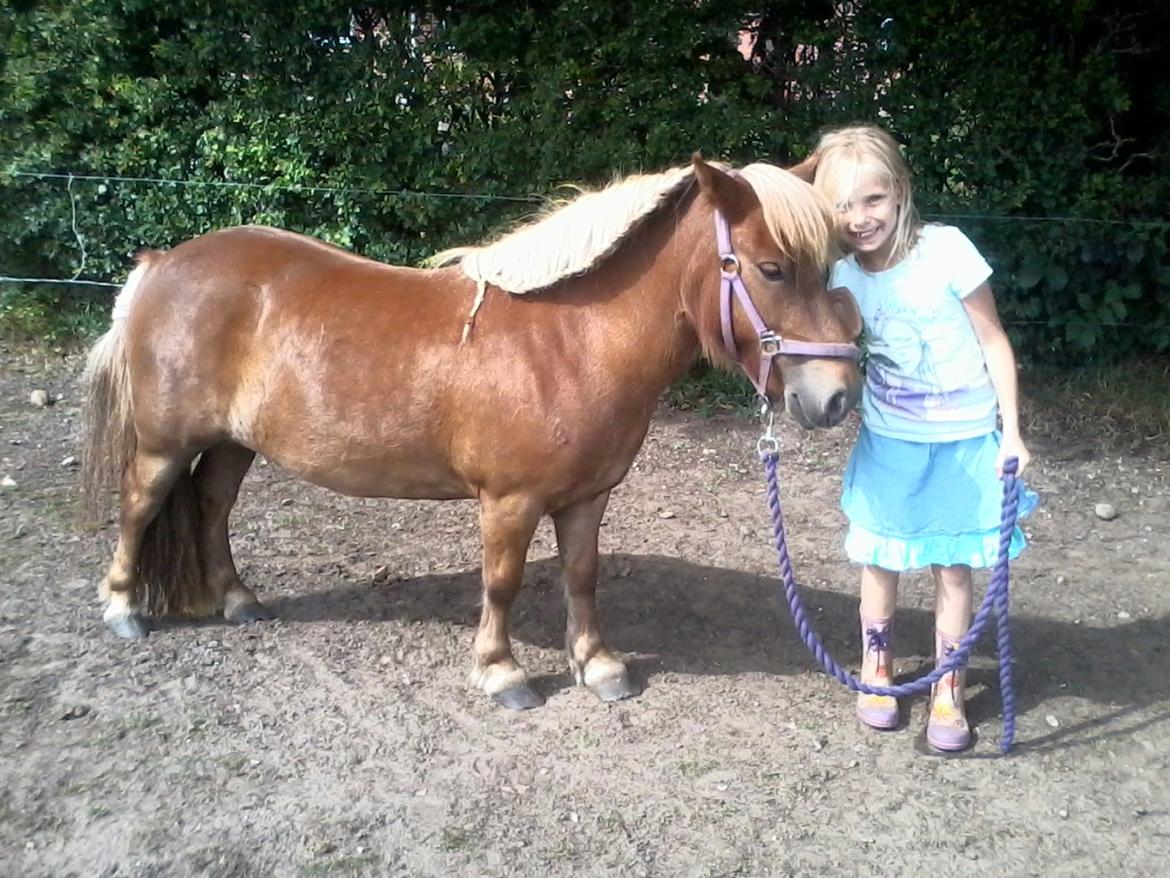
(877, 665)
(946, 727)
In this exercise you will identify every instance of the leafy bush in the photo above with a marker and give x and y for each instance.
(397, 130)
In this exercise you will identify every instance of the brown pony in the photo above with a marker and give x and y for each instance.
(380, 381)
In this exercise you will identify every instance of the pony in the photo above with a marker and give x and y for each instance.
(522, 373)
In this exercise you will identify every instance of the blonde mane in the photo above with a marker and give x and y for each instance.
(573, 237)
(569, 239)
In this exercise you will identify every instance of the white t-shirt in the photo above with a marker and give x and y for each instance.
(926, 379)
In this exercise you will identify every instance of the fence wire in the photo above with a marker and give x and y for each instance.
(71, 176)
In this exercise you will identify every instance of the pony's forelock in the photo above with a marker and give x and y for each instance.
(799, 217)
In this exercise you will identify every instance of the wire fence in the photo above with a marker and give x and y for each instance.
(274, 187)
(70, 177)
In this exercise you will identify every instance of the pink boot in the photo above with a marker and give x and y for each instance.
(946, 727)
(877, 663)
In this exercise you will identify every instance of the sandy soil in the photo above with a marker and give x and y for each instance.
(343, 739)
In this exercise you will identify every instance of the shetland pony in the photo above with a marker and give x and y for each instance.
(522, 374)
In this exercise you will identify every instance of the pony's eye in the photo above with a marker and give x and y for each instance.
(771, 270)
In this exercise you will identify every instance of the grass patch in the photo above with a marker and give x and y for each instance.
(233, 763)
(143, 721)
(453, 839)
(708, 391)
(54, 315)
(1124, 407)
(360, 865)
(696, 767)
(55, 502)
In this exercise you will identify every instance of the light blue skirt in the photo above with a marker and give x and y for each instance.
(913, 504)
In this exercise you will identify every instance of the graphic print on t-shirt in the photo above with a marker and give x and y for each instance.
(903, 377)
(925, 374)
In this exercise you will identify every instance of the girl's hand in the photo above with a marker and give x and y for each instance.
(1012, 446)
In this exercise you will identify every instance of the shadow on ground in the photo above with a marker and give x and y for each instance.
(676, 616)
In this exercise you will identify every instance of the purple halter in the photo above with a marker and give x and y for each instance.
(771, 344)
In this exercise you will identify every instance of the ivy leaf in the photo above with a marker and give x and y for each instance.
(1030, 273)
(1056, 278)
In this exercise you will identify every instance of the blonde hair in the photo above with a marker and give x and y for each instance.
(846, 154)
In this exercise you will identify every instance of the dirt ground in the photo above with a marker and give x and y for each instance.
(344, 740)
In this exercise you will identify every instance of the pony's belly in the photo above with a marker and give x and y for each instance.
(366, 473)
(400, 489)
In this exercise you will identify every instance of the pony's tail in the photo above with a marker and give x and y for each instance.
(109, 441)
(170, 562)
(170, 565)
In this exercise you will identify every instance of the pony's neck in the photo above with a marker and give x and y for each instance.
(645, 282)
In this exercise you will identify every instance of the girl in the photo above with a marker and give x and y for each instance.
(922, 484)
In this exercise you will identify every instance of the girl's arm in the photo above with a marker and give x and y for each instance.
(1001, 365)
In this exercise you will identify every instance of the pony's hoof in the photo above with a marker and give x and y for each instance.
(130, 626)
(521, 697)
(616, 688)
(252, 611)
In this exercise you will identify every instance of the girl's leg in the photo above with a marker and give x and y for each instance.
(879, 592)
(947, 728)
(879, 597)
(952, 599)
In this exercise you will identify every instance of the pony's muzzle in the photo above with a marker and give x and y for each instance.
(820, 394)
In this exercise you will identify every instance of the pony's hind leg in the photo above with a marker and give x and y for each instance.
(218, 475)
(590, 660)
(147, 481)
(507, 525)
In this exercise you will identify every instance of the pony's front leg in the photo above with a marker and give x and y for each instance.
(591, 661)
(507, 525)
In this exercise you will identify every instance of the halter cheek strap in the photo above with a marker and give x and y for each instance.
(771, 343)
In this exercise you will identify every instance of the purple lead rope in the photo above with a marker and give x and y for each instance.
(996, 597)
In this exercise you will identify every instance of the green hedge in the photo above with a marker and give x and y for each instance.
(1040, 129)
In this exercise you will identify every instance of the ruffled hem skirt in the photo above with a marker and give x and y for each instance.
(913, 504)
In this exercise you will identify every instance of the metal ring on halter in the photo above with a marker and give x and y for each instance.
(729, 264)
(768, 443)
(770, 344)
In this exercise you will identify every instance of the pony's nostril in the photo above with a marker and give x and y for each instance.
(838, 405)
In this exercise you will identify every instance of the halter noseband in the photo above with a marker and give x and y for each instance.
(771, 344)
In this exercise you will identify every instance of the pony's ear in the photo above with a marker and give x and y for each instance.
(728, 194)
(806, 170)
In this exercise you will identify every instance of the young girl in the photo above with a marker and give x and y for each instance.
(922, 486)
